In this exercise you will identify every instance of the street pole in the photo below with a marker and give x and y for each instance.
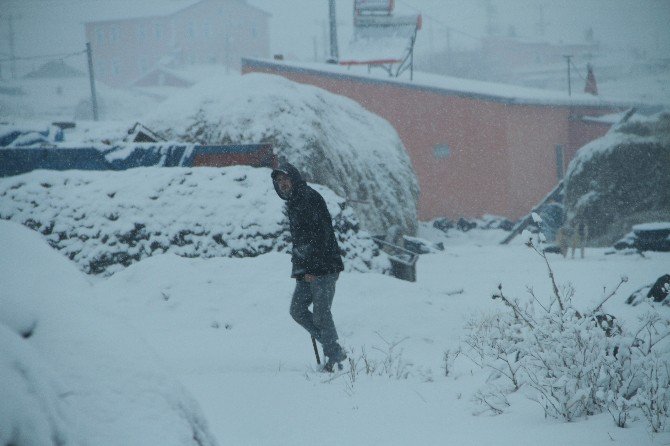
(94, 100)
(334, 54)
(11, 39)
(12, 45)
(567, 58)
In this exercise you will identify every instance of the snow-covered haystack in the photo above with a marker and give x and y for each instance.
(331, 139)
(71, 375)
(107, 220)
(621, 179)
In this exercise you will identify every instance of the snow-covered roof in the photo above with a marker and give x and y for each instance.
(131, 9)
(122, 10)
(192, 73)
(447, 85)
(54, 69)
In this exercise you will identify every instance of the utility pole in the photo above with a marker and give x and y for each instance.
(449, 44)
(227, 50)
(567, 58)
(430, 40)
(491, 18)
(334, 55)
(541, 24)
(94, 99)
(12, 46)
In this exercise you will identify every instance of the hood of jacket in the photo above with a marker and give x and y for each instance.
(293, 173)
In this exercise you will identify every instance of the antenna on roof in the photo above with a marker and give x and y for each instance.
(567, 58)
(334, 56)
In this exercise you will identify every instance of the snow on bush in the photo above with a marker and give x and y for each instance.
(105, 221)
(573, 362)
(71, 375)
(331, 139)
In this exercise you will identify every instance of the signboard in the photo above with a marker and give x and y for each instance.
(373, 6)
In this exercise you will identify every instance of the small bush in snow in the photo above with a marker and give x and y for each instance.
(386, 362)
(573, 363)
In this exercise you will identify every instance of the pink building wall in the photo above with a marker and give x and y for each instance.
(502, 156)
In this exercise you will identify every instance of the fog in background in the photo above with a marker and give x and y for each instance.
(627, 30)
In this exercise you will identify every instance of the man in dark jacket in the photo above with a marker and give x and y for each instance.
(316, 259)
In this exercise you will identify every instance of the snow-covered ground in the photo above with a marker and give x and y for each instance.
(221, 327)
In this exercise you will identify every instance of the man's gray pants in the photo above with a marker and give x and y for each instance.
(318, 323)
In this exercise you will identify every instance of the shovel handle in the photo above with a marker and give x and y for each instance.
(316, 351)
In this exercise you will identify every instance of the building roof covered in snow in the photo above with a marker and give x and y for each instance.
(148, 8)
(54, 69)
(448, 85)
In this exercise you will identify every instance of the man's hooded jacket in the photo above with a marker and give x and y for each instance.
(315, 249)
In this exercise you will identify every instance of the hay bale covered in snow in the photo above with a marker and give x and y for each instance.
(621, 179)
(331, 139)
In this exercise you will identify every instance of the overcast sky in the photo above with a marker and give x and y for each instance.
(299, 30)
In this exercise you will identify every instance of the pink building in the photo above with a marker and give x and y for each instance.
(476, 147)
(197, 32)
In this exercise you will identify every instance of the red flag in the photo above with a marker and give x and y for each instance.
(591, 87)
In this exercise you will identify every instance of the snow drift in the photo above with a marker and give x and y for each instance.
(105, 221)
(332, 140)
(71, 375)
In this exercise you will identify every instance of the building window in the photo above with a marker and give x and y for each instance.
(114, 34)
(116, 69)
(144, 65)
(141, 33)
(100, 36)
(253, 31)
(158, 31)
(442, 151)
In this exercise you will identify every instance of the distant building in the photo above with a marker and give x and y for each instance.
(508, 54)
(199, 32)
(54, 69)
(477, 147)
(510, 59)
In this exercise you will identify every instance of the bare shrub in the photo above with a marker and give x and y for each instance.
(574, 362)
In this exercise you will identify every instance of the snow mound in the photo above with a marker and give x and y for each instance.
(76, 376)
(331, 139)
(35, 414)
(105, 221)
(621, 179)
